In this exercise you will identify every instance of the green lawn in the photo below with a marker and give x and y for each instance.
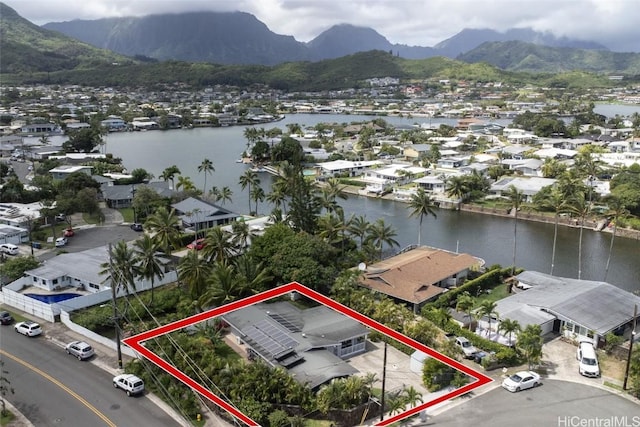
(497, 293)
(6, 418)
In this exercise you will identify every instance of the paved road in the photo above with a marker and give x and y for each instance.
(55, 389)
(554, 404)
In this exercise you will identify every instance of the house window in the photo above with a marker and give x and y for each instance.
(35, 279)
(55, 281)
(44, 282)
(94, 286)
(347, 344)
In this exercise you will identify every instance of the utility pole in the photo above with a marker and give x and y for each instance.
(633, 335)
(116, 320)
(384, 380)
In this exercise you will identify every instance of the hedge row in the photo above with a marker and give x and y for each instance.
(489, 280)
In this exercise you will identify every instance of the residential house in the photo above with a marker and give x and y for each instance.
(121, 196)
(416, 151)
(198, 215)
(61, 172)
(311, 344)
(348, 168)
(526, 167)
(577, 309)
(419, 275)
(114, 124)
(528, 186)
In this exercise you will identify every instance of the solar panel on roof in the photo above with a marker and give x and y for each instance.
(286, 322)
(270, 338)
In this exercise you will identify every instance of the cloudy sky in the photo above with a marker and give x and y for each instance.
(614, 23)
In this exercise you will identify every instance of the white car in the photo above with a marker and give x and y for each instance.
(521, 381)
(129, 383)
(28, 328)
(61, 241)
(79, 349)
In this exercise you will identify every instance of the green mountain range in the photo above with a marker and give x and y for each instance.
(26, 48)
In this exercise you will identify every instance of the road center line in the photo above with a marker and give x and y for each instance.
(62, 386)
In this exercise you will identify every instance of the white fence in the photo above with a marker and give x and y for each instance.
(11, 297)
(66, 319)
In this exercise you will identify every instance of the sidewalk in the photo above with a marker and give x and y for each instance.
(107, 360)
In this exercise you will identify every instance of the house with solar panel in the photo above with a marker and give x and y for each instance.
(311, 344)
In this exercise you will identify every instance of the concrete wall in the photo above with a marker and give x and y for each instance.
(12, 297)
(66, 319)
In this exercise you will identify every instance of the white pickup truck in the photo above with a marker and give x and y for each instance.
(467, 348)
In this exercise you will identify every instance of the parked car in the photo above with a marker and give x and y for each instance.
(129, 383)
(467, 348)
(5, 318)
(521, 380)
(587, 360)
(480, 355)
(136, 226)
(9, 248)
(68, 232)
(28, 328)
(79, 349)
(61, 217)
(196, 244)
(61, 241)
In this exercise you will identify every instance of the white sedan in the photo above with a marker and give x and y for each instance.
(521, 380)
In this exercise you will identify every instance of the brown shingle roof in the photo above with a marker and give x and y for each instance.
(412, 276)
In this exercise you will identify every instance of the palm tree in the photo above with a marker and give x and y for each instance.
(185, 183)
(257, 194)
(412, 396)
(249, 179)
(207, 168)
(617, 210)
(169, 173)
(223, 286)
(381, 234)
(251, 272)
(149, 263)
(225, 194)
(457, 187)
(580, 206)
(121, 269)
(421, 205)
(487, 308)
(516, 197)
(359, 227)
(218, 245)
(194, 271)
(557, 202)
(509, 326)
(164, 224)
(466, 303)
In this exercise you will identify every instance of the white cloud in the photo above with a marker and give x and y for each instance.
(413, 22)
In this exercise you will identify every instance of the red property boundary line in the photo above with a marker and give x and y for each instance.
(136, 343)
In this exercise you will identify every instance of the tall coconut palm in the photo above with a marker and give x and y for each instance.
(381, 234)
(556, 201)
(421, 205)
(150, 264)
(466, 303)
(223, 286)
(617, 210)
(122, 269)
(487, 308)
(225, 195)
(194, 270)
(277, 196)
(508, 327)
(359, 227)
(218, 245)
(169, 173)
(457, 187)
(164, 225)
(249, 179)
(206, 167)
(579, 206)
(516, 197)
(185, 183)
(257, 194)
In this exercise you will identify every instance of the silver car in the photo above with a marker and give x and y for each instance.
(80, 349)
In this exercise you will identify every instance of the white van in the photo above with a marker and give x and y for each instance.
(9, 248)
(587, 360)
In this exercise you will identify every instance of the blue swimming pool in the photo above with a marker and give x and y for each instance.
(50, 299)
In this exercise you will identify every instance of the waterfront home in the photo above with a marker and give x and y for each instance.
(114, 124)
(197, 215)
(418, 275)
(431, 184)
(311, 344)
(143, 123)
(577, 309)
(345, 168)
(528, 186)
(121, 196)
(61, 172)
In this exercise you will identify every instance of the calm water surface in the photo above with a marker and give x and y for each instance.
(488, 237)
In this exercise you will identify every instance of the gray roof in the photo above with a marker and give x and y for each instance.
(85, 265)
(296, 339)
(124, 192)
(192, 210)
(598, 306)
